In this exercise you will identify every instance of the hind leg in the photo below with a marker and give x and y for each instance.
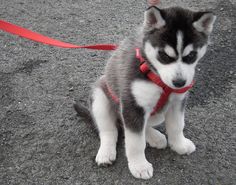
(105, 119)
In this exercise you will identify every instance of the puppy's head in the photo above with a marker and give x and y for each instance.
(175, 39)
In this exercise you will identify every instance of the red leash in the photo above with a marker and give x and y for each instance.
(28, 34)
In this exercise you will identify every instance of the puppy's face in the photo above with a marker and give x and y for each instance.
(175, 40)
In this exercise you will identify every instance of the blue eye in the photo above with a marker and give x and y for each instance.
(190, 58)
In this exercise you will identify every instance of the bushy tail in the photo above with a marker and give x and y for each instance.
(82, 111)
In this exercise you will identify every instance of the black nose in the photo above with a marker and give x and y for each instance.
(179, 82)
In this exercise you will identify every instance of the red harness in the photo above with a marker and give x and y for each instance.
(155, 79)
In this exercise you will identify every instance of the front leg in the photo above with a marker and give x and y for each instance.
(174, 126)
(134, 126)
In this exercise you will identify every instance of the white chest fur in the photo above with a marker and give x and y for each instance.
(146, 94)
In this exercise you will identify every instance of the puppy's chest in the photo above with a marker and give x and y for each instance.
(147, 95)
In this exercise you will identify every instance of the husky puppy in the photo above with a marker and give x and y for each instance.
(171, 41)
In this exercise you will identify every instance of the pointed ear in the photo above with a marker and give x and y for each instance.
(153, 18)
(205, 23)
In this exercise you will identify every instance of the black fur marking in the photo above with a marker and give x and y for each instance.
(164, 58)
(190, 58)
(177, 19)
(133, 116)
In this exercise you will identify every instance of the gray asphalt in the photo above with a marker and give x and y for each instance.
(43, 141)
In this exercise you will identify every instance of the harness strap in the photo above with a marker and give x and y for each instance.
(157, 80)
(112, 95)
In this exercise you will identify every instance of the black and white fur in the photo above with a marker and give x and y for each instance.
(172, 40)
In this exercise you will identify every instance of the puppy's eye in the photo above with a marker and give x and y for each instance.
(190, 58)
(164, 58)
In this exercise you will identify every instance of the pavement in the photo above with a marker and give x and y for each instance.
(44, 142)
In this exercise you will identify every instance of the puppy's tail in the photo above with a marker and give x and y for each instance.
(82, 111)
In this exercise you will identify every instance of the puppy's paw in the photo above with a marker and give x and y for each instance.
(156, 139)
(105, 156)
(183, 146)
(141, 170)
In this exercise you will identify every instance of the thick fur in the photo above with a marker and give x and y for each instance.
(172, 41)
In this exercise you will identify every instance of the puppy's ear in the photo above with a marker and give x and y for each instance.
(153, 19)
(204, 22)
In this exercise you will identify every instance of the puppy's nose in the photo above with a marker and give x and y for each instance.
(179, 82)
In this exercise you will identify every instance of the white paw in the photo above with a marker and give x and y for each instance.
(141, 170)
(156, 139)
(183, 146)
(105, 156)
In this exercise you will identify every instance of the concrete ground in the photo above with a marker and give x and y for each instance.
(43, 141)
